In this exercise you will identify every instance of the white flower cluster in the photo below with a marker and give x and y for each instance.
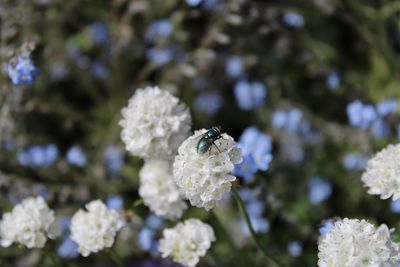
(154, 123)
(357, 243)
(159, 191)
(382, 175)
(96, 228)
(187, 241)
(29, 223)
(204, 178)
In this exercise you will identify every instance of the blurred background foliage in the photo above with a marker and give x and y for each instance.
(290, 68)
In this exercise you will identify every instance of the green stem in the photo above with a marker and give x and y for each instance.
(52, 257)
(116, 258)
(246, 217)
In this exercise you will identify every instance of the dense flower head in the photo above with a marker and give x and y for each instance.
(30, 223)
(154, 123)
(95, 228)
(187, 241)
(203, 179)
(159, 191)
(382, 176)
(256, 147)
(357, 243)
(24, 71)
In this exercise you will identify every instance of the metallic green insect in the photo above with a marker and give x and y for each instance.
(208, 139)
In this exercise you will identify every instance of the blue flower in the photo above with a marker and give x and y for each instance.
(333, 80)
(113, 159)
(24, 72)
(395, 206)
(36, 156)
(385, 107)
(158, 29)
(146, 238)
(250, 95)
(326, 226)
(99, 70)
(75, 156)
(295, 248)
(100, 33)
(380, 129)
(234, 66)
(154, 222)
(159, 56)
(318, 190)
(68, 249)
(361, 115)
(293, 19)
(247, 168)
(193, 2)
(115, 202)
(354, 161)
(290, 120)
(208, 102)
(256, 147)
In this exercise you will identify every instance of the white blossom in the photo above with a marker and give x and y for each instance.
(382, 176)
(203, 179)
(154, 123)
(159, 191)
(357, 243)
(95, 228)
(29, 223)
(187, 241)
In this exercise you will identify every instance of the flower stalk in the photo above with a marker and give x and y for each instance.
(246, 217)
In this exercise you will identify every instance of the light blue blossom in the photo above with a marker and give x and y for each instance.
(295, 248)
(380, 129)
(250, 95)
(354, 161)
(154, 222)
(318, 190)
(290, 120)
(395, 206)
(99, 70)
(247, 168)
(24, 71)
(115, 202)
(361, 115)
(100, 33)
(326, 226)
(208, 102)
(333, 81)
(75, 156)
(293, 19)
(68, 249)
(256, 148)
(146, 238)
(386, 107)
(159, 29)
(36, 156)
(159, 56)
(234, 66)
(113, 159)
(193, 2)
